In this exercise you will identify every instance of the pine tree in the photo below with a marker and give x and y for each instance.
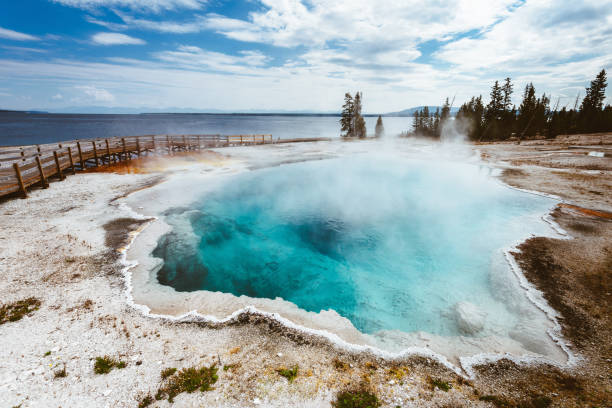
(379, 131)
(592, 117)
(596, 93)
(507, 94)
(346, 121)
(359, 126)
(527, 112)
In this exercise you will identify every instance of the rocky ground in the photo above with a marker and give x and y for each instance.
(60, 247)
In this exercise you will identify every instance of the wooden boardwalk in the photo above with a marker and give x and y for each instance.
(25, 166)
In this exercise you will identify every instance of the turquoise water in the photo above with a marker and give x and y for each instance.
(389, 243)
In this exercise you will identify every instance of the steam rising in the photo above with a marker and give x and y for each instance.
(400, 237)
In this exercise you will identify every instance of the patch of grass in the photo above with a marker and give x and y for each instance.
(15, 311)
(289, 374)
(145, 401)
(105, 364)
(340, 365)
(188, 380)
(231, 367)
(47, 354)
(439, 384)
(356, 399)
(60, 373)
(398, 372)
(167, 372)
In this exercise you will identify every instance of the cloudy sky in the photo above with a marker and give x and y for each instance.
(294, 54)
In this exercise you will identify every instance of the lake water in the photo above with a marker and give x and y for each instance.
(22, 128)
(391, 244)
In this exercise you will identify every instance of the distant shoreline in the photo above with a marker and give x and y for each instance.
(199, 113)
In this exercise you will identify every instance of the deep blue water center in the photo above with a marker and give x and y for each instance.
(388, 243)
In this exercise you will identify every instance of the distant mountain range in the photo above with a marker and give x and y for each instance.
(412, 111)
(141, 110)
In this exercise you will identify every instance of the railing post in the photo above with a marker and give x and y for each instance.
(184, 143)
(95, 150)
(43, 179)
(169, 145)
(125, 157)
(199, 143)
(57, 164)
(108, 152)
(71, 161)
(153, 140)
(22, 188)
(138, 146)
(81, 156)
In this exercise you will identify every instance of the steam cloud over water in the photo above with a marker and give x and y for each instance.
(400, 247)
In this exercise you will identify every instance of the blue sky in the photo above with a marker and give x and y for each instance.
(293, 54)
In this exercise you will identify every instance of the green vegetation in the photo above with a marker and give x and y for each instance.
(60, 373)
(426, 124)
(439, 384)
(351, 122)
(289, 374)
(105, 364)
(15, 311)
(500, 120)
(340, 365)
(145, 401)
(48, 353)
(229, 367)
(356, 399)
(167, 372)
(187, 380)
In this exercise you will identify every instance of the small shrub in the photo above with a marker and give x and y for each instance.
(15, 311)
(356, 399)
(167, 372)
(105, 364)
(60, 373)
(340, 365)
(289, 374)
(145, 401)
(48, 353)
(188, 380)
(439, 384)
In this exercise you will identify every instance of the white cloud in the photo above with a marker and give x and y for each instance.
(155, 6)
(95, 93)
(17, 36)
(57, 97)
(196, 58)
(106, 24)
(116, 39)
(23, 49)
(176, 27)
(537, 34)
(292, 22)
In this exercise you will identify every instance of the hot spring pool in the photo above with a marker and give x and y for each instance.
(396, 246)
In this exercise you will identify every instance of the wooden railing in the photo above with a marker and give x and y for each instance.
(24, 166)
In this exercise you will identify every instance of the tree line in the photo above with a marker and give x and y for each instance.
(501, 120)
